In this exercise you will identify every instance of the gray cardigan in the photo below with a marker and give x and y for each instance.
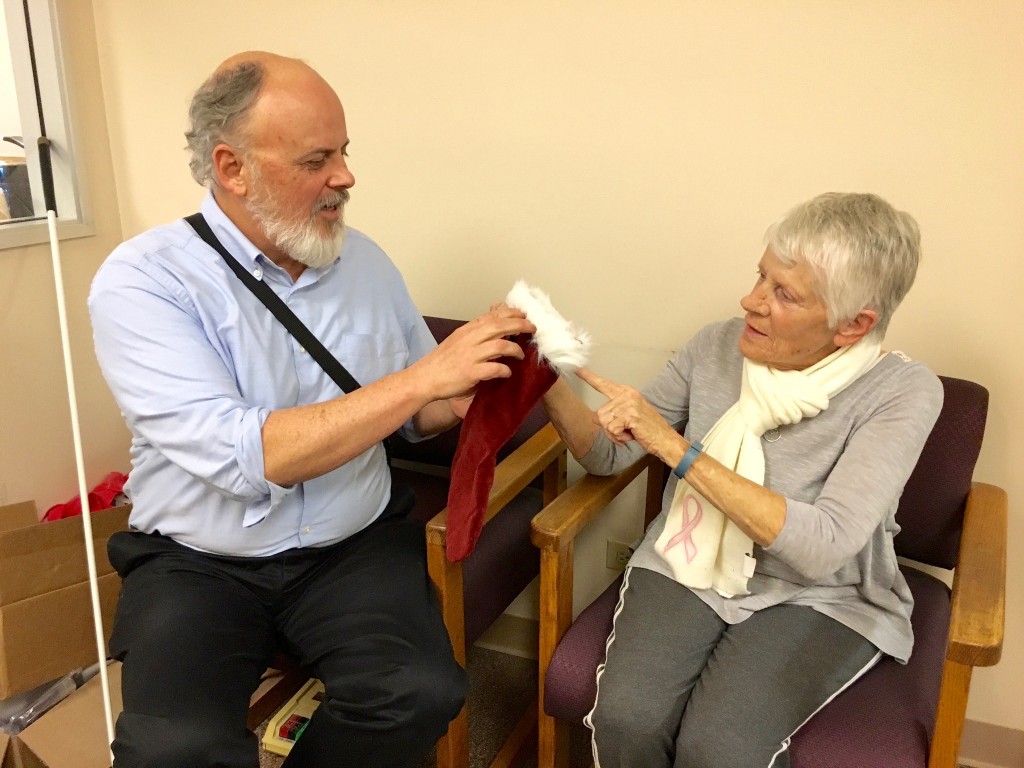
(842, 473)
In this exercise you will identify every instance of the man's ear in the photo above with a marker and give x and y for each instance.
(227, 170)
(854, 330)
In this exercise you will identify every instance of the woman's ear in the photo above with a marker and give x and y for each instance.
(854, 330)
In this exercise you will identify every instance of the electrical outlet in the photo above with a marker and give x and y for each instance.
(618, 554)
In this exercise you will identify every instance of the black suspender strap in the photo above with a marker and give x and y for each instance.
(280, 310)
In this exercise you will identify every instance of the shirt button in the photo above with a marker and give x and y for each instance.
(307, 530)
(257, 273)
(302, 350)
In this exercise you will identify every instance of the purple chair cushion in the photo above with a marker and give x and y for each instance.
(887, 717)
(504, 560)
(931, 507)
(571, 683)
(884, 719)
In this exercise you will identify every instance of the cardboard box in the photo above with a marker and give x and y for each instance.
(9, 746)
(46, 624)
(74, 733)
(18, 515)
(71, 735)
(13, 754)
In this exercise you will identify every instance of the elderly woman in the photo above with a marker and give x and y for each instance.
(768, 583)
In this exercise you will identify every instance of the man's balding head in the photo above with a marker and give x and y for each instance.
(223, 105)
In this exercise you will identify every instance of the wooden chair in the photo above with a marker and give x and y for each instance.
(473, 593)
(895, 716)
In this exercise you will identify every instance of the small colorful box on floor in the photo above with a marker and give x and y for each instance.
(290, 721)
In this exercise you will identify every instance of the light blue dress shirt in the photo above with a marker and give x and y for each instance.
(196, 363)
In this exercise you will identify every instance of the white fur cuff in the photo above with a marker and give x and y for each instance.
(563, 345)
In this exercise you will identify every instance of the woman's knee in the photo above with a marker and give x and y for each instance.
(705, 745)
(631, 720)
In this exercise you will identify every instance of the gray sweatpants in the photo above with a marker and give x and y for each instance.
(682, 688)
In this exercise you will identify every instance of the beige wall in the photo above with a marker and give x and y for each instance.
(627, 157)
(37, 456)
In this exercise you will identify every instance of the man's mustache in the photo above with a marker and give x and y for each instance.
(336, 200)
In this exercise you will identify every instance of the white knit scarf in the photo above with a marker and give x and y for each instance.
(703, 547)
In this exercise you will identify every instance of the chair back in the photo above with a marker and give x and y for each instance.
(931, 508)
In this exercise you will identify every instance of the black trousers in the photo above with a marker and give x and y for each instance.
(195, 632)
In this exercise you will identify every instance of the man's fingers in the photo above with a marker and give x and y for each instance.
(504, 321)
(493, 370)
(507, 348)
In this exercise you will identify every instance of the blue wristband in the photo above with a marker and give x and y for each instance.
(688, 458)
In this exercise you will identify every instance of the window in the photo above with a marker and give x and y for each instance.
(37, 158)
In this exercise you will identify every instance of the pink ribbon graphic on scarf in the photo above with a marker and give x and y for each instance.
(691, 515)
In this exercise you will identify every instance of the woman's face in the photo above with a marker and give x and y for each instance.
(787, 324)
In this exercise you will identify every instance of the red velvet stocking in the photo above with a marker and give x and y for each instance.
(499, 408)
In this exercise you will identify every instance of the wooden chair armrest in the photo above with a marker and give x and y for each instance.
(511, 475)
(556, 526)
(979, 581)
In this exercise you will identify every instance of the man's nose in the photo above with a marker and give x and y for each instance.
(341, 177)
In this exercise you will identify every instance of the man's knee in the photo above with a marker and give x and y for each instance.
(434, 693)
(144, 741)
(454, 687)
(408, 707)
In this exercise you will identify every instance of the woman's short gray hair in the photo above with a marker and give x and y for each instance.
(864, 253)
(218, 113)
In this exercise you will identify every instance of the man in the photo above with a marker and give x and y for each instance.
(262, 511)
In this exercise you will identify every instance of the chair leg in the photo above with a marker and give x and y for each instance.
(949, 717)
(453, 748)
(552, 742)
(556, 578)
(508, 755)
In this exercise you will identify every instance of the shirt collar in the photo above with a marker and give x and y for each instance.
(239, 246)
(231, 237)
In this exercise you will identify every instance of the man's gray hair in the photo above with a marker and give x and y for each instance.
(864, 253)
(218, 113)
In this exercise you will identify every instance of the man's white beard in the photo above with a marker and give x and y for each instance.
(301, 240)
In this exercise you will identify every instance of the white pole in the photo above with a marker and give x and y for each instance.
(83, 494)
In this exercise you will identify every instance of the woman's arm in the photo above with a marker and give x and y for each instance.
(759, 512)
(571, 417)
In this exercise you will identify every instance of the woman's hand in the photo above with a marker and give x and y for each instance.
(759, 512)
(628, 416)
